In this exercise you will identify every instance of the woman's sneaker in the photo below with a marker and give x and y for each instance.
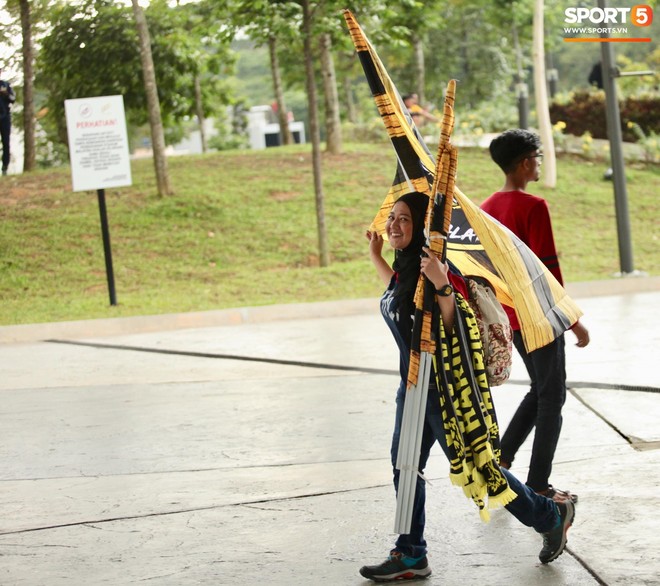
(398, 567)
(554, 541)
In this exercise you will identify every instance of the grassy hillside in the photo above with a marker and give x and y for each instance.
(241, 230)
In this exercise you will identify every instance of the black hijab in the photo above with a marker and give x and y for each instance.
(407, 261)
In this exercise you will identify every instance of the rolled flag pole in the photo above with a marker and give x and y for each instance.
(410, 442)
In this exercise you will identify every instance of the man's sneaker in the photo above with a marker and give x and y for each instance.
(554, 541)
(398, 567)
(559, 496)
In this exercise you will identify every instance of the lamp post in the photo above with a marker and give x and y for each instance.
(610, 73)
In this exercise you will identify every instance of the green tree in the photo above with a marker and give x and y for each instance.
(411, 21)
(201, 32)
(92, 49)
(305, 15)
(273, 24)
(333, 45)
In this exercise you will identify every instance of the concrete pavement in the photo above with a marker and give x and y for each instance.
(157, 450)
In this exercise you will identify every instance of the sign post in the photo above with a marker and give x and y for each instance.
(107, 250)
(98, 150)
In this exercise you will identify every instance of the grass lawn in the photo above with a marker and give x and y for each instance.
(241, 231)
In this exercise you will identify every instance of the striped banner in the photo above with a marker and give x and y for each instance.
(476, 243)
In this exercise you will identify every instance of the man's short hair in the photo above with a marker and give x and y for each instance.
(510, 147)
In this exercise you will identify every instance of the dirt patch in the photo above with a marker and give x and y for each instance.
(283, 195)
(313, 260)
(45, 190)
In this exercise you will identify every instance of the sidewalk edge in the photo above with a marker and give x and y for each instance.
(245, 315)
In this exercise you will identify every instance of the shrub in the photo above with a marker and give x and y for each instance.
(585, 112)
(650, 144)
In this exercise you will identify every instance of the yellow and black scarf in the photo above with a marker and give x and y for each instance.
(470, 422)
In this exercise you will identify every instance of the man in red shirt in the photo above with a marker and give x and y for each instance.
(518, 153)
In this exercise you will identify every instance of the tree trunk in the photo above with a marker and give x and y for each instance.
(199, 109)
(29, 152)
(153, 104)
(351, 110)
(324, 257)
(541, 96)
(332, 121)
(282, 114)
(420, 70)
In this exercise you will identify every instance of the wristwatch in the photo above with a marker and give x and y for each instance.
(445, 290)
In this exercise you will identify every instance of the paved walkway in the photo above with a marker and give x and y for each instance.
(258, 453)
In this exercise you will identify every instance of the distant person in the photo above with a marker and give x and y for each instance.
(596, 76)
(407, 560)
(419, 115)
(518, 153)
(7, 98)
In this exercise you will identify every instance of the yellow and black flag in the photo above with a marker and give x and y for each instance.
(476, 243)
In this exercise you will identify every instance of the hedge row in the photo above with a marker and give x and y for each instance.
(586, 113)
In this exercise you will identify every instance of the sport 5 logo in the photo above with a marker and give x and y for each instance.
(640, 15)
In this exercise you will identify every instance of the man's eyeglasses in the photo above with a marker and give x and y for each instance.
(538, 156)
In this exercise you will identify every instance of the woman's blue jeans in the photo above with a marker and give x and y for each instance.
(529, 508)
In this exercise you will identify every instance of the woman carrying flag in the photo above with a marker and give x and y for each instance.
(467, 448)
